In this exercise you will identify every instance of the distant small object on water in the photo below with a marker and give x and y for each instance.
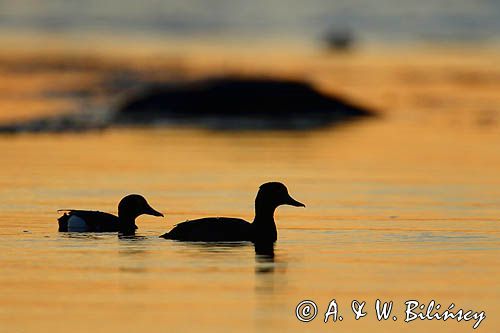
(339, 39)
(238, 103)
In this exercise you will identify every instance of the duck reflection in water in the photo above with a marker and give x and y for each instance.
(264, 257)
(264, 252)
(133, 252)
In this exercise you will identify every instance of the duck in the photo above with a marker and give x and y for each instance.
(262, 230)
(129, 208)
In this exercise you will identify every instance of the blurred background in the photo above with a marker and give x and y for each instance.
(381, 116)
(60, 57)
(385, 22)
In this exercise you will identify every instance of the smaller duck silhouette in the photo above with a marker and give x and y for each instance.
(219, 229)
(129, 208)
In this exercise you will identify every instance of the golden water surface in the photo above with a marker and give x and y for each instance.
(400, 207)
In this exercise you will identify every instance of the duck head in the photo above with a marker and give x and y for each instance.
(134, 205)
(271, 195)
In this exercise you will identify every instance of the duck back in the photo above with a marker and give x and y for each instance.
(212, 229)
(88, 221)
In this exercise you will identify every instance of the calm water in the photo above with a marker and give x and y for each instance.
(396, 209)
(379, 21)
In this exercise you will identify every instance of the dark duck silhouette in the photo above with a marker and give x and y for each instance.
(226, 229)
(129, 208)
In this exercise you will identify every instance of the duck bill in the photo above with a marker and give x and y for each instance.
(292, 202)
(151, 211)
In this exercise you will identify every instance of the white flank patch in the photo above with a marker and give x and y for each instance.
(76, 223)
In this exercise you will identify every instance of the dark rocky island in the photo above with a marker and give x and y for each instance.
(238, 103)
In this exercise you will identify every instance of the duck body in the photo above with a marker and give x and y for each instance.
(89, 221)
(129, 208)
(212, 229)
(228, 229)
